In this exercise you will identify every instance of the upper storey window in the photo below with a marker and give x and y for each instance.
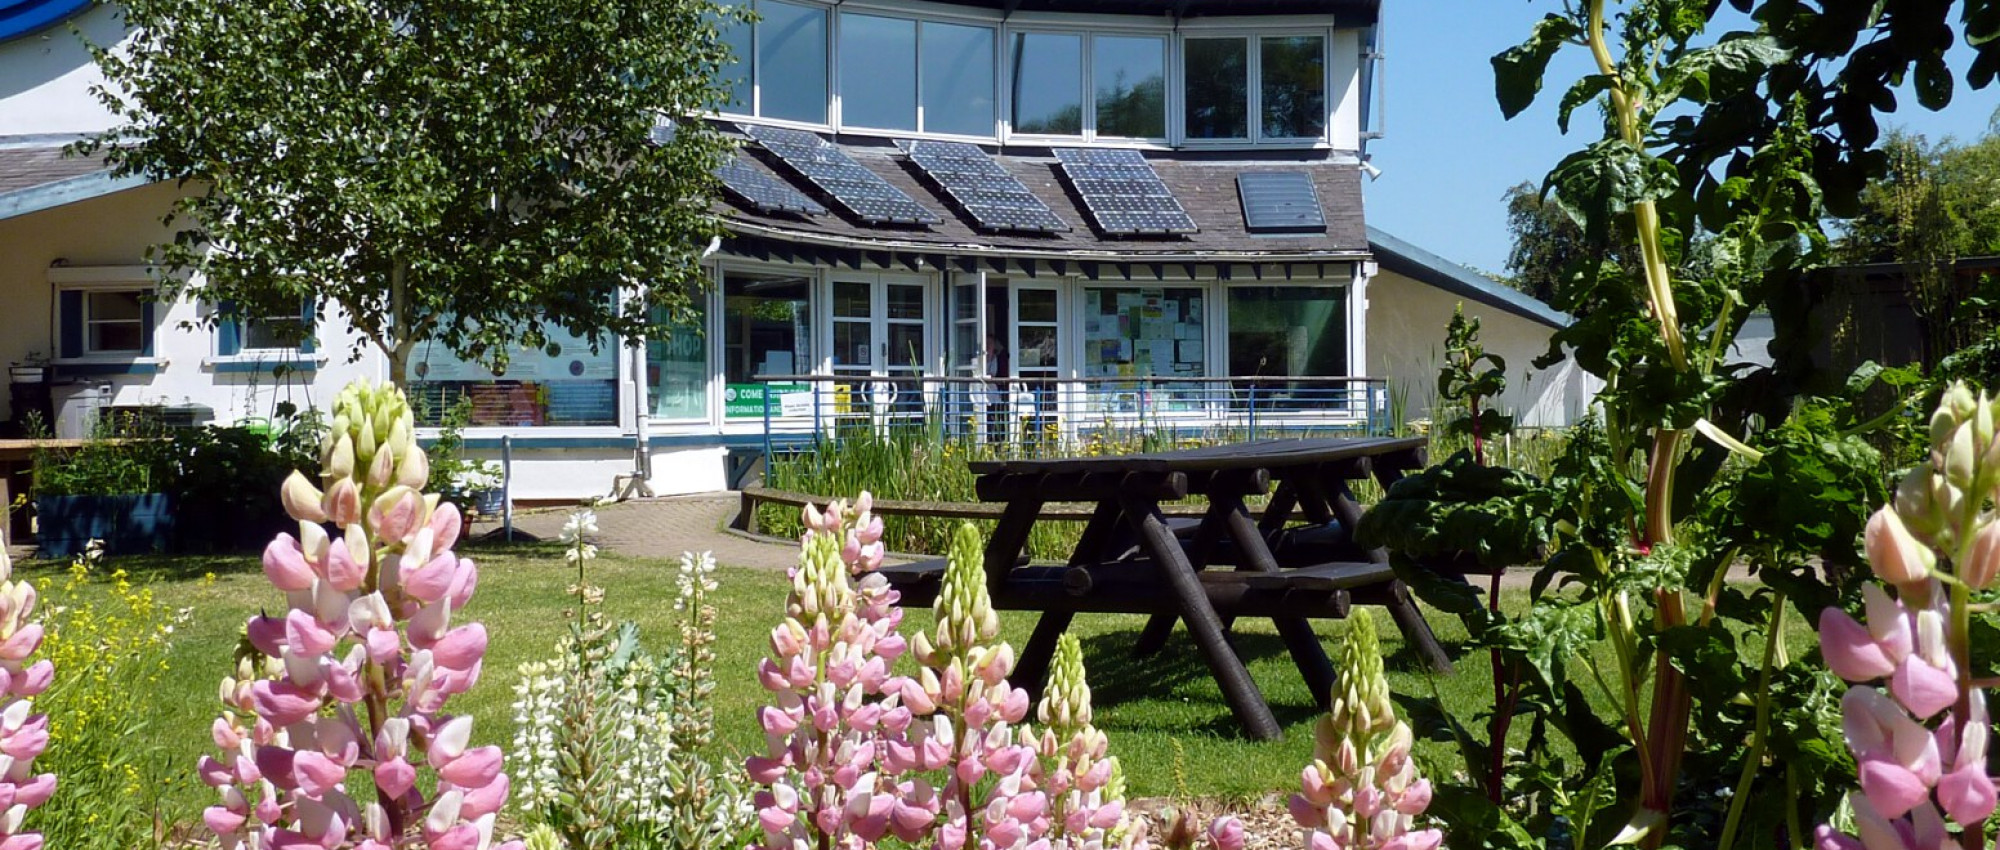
(780, 69)
(1126, 97)
(1278, 79)
(928, 76)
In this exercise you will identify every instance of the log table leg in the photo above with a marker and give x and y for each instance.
(1307, 653)
(1411, 621)
(1245, 700)
(1031, 670)
(1160, 627)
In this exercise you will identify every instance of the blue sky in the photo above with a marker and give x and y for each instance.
(1449, 156)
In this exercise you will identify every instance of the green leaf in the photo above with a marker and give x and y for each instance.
(1581, 92)
(1518, 71)
(1934, 83)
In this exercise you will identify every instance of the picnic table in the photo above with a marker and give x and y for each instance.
(1133, 559)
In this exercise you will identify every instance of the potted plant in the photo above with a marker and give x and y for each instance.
(110, 489)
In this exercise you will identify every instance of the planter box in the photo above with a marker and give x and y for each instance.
(128, 524)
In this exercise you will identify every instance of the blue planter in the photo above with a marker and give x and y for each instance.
(128, 524)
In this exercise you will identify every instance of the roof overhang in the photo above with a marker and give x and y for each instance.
(1425, 267)
(84, 187)
(751, 241)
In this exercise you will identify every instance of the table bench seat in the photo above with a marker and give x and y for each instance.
(1320, 591)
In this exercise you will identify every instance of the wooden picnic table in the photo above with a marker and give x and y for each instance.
(1132, 559)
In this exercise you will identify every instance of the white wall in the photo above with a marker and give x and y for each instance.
(1406, 328)
(45, 78)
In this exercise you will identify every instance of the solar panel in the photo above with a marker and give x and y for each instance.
(1280, 202)
(763, 191)
(994, 198)
(1123, 192)
(861, 191)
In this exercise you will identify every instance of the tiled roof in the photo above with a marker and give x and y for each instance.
(1206, 188)
(31, 166)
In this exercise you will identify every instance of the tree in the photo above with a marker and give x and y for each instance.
(473, 172)
(1548, 243)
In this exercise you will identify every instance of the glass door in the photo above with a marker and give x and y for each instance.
(1037, 361)
(905, 305)
(967, 355)
(879, 331)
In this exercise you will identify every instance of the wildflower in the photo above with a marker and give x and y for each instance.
(1362, 790)
(23, 736)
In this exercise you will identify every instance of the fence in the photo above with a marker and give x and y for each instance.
(804, 407)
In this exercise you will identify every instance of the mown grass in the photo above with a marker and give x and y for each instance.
(1165, 715)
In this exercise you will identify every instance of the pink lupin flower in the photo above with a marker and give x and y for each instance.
(357, 670)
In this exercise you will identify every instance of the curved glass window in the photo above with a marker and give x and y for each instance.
(791, 62)
(1130, 83)
(1048, 83)
(878, 63)
(958, 79)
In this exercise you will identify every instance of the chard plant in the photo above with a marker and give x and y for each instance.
(334, 732)
(1721, 154)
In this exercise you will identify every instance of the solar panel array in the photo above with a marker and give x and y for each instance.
(1123, 192)
(864, 193)
(1280, 202)
(995, 199)
(763, 191)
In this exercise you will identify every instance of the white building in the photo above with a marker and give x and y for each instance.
(1048, 213)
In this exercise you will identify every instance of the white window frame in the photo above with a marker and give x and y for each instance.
(98, 279)
(923, 131)
(1254, 90)
(91, 322)
(1088, 85)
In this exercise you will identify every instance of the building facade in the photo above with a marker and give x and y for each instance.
(1000, 216)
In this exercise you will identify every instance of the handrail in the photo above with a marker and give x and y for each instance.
(1100, 379)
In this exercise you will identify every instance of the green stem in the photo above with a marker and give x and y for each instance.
(1755, 758)
(1792, 806)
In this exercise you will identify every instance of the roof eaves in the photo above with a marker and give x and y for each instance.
(1411, 261)
(84, 187)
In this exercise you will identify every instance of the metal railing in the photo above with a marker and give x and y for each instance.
(804, 407)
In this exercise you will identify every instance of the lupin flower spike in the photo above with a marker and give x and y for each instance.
(361, 664)
(1088, 807)
(23, 735)
(1362, 791)
(1921, 746)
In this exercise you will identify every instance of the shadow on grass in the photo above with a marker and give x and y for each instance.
(1177, 672)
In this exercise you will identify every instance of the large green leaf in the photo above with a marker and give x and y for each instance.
(1518, 70)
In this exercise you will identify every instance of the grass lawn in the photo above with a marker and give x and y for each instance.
(1165, 716)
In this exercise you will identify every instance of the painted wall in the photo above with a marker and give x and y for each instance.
(1406, 327)
(45, 78)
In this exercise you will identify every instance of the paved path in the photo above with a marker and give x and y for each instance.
(664, 528)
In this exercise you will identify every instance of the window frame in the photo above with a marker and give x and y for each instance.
(90, 322)
(838, 114)
(1087, 36)
(1253, 38)
(70, 288)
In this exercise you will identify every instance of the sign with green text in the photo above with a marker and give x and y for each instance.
(747, 401)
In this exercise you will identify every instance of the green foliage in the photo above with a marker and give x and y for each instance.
(109, 640)
(473, 172)
(118, 458)
(454, 477)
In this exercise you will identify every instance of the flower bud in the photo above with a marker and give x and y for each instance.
(414, 471)
(302, 499)
(1982, 563)
(340, 463)
(1893, 553)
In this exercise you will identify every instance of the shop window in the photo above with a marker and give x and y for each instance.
(767, 330)
(1278, 332)
(677, 366)
(105, 322)
(1048, 83)
(1140, 331)
(957, 79)
(1130, 85)
(562, 383)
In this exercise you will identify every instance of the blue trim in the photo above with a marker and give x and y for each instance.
(47, 196)
(228, 329)
(625, 441)
(244, 367)
(146, 325)
(66, 370)
(21, 18)
(69, 310)
(309, 316)
(1423, 266)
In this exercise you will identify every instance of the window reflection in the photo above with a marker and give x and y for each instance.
(1048, 83)
(1130, 85)
(1218, 88)
(958, 79)
(735, 77)
(1293, 86)
(878, 72)
(791, 59)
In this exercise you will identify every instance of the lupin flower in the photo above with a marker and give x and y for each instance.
(360, 663)
(836, 709)
(1921, 748)
(1088, 809)
(965, 677)
(23, 734)
(1362, 791)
